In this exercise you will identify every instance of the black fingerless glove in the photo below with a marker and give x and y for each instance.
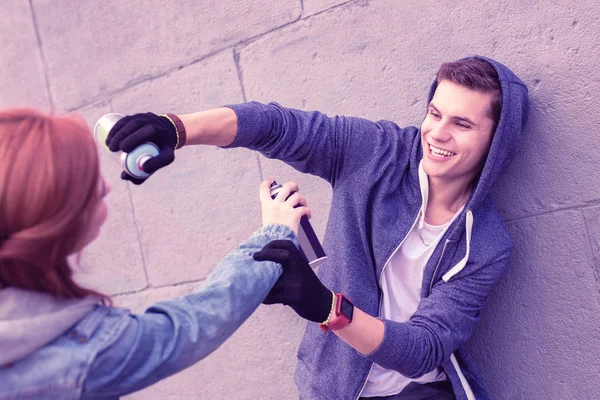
(298, 286)
(134, 130)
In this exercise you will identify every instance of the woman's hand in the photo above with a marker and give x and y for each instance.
(134, 130)
(284, 209)
(298, 286)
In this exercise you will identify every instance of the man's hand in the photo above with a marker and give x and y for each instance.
(298, 286)
(284, 209)
(134, 130)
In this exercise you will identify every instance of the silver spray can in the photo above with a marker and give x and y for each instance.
(310, 247)
(131, 162)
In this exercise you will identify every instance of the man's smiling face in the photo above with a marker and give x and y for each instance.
(457, 133)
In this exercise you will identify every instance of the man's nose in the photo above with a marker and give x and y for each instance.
(441, 132)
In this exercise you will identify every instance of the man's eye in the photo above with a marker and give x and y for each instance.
(434, 114)
(463, 126)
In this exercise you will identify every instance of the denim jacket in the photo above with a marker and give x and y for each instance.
(110, 352)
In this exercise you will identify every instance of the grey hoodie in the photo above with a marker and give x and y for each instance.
(30, 320)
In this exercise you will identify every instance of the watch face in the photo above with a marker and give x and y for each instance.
(347, 308)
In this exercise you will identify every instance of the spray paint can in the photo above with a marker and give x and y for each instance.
(310, 247)
(131, 162)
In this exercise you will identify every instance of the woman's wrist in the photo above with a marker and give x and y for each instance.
(331, 310)
(279, 231)
(180, 131)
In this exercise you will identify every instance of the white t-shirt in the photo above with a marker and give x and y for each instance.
(401, 293)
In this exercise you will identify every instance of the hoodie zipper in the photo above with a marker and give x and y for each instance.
(378, 283)
(365, 382)
(438, 265)
(381, 276)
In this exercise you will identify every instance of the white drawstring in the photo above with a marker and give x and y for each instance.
(461, 264)
(424, 185)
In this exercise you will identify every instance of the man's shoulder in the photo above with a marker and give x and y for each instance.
(392, 128)
(489, 229)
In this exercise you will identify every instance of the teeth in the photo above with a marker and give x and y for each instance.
(441, 152)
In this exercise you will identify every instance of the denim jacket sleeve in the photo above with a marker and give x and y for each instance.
(174, 334)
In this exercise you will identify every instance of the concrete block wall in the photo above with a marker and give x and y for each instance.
(539, 334)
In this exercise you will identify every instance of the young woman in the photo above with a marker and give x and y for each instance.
(59, 340)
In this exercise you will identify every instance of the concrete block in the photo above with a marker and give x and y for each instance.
(540, 323)
(315, 6)
(212, 82)
(338, 63)
(195, 211)
(22, 81)
(377, 61)
(192, 214)
(113, 263)
(257, 362)
(114, 44)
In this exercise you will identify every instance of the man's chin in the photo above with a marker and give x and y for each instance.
(434, 170)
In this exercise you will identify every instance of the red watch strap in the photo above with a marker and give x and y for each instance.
(340, 319)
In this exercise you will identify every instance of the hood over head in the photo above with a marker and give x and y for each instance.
(504, 145)
(506, 139)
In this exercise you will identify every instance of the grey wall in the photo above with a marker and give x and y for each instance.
(539, 334)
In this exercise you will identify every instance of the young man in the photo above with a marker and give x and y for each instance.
(415, 243)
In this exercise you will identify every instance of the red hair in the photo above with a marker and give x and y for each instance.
(49, 174)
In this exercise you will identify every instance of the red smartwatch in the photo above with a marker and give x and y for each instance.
(344, 309)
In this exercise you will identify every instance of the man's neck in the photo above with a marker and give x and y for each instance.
(445, 199)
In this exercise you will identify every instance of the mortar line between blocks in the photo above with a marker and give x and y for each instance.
(260, 171)
(238, 67)
(139, 239)
(179, 283)
(326, 9)
(147, 288)
(578, 207)
(594, 251)
(42, 55)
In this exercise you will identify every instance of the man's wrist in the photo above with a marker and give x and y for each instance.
(342, 316)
